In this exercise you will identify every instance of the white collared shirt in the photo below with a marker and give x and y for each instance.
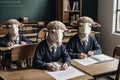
(50, 46)
(86, 40)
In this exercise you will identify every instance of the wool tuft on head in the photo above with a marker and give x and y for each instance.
(55, 32)
(12, 21)
(13, 28)
(85, 19)
(56, 25)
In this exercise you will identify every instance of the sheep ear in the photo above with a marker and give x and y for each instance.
(21, 25)
(74, 23)
(67, 30)
(95, 24)
(3, 26)
(44, 30)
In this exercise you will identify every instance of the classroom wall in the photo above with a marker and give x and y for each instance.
(90, 8)
(37, 10)
(106, 18)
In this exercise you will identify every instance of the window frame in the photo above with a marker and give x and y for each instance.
(116, 19)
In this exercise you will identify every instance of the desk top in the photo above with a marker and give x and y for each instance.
(99, 68)
(16, 45)
(33, 74)
(4, 48)
(27, 74)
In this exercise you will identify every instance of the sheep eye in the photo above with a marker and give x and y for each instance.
(9, 25)
(80, 24)
(90, 25)
(52, 31)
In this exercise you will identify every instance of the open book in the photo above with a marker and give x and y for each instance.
(71, 72)
(94, 59)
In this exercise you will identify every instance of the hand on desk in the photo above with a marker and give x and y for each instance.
(9, 44)
(90, 53)
(64, 66)
(84, 55)
(23, 43)
(12, 43)
(52, 68)
(55, 67)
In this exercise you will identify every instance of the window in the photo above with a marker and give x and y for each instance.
(117, 28)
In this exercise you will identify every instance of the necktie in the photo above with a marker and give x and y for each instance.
(15, 41)
(84, 43)
(53, 50)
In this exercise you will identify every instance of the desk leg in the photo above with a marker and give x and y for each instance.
(118, 72)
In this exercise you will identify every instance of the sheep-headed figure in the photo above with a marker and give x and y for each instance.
(51, 49)
(13, 36)
(84, 25)
(55, 32)
(13, 29)
(82, 44)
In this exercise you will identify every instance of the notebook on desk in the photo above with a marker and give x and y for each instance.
(94, 59)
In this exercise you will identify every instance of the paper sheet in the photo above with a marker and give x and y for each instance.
(86, 61)
(102, 58)
(94, 59)
(71, 72)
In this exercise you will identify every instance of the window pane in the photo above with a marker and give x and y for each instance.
(118, 21)
(118, 4)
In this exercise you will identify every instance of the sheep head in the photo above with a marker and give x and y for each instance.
(84, 25)
(55, 32)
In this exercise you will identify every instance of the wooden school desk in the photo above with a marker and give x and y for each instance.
(99, 69)
(19, 52)
(25, 74)
(2, 53)
(34, 74)
(4, 49)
